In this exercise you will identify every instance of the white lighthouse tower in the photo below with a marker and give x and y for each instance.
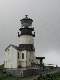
(22, 56)
(21, 60)
(26, 43)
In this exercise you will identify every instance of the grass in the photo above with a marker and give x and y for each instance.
(5, 76)
(55, 76)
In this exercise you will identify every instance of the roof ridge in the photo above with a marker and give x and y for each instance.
(14, 46)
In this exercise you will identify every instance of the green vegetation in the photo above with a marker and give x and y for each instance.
(5, 76)
(55, 76)
(1, 66)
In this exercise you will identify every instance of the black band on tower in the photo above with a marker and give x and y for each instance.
(29, 47)
(26, 31)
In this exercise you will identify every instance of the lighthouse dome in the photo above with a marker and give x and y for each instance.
(26, 22)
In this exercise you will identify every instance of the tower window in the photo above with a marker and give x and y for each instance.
(22, 55)
(18, 55)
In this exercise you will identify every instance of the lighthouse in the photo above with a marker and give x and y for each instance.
(20, 60)
(26, 36)
(23, 55)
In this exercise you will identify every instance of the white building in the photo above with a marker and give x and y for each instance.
(23, 54)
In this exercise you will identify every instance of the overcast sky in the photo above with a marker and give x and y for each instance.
(46, 16)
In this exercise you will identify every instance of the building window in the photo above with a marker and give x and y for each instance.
(18, 55)
(22, 55)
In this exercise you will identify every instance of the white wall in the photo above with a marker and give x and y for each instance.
(20, 60)
(25, 39)
(12, 61)
(11, 58)
(29, 56)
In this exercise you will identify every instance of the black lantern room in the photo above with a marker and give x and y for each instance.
(25, 27)
(26, 22)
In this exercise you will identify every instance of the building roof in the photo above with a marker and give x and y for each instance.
(26, 19)
(21, 47)
(14, 46)
(40, 57)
